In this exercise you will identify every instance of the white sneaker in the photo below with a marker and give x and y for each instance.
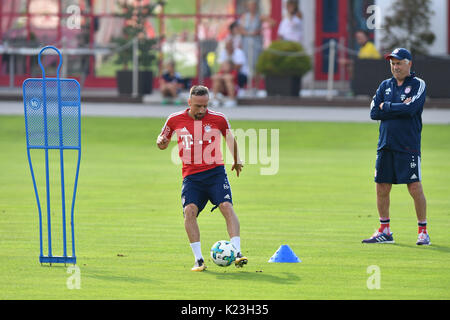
(215, 103)
(423, 239)
(241, 93)
(230, 103)
(199, 266)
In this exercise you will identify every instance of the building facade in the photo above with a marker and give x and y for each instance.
(190, 29)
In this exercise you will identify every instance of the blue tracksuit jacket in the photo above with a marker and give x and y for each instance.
(401, 124)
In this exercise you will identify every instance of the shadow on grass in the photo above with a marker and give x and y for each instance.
(103, 276)
(56, 265)
(282, 278)
(432, 247)
(114, 277)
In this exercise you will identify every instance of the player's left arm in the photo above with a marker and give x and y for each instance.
(232, 146)
(234, 149)
(410, 106)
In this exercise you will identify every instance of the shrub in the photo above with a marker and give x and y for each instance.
(284, 58)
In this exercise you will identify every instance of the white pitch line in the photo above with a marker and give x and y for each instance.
(261, 113)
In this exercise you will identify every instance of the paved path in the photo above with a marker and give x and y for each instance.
(327, 114)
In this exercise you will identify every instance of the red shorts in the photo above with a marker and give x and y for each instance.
(234, 73)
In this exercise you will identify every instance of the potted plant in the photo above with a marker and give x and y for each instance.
(283, 64)
(136, 16)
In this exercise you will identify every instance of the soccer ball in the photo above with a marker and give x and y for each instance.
(223, 253)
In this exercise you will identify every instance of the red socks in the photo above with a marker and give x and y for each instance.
(384, 226)
(422, 227)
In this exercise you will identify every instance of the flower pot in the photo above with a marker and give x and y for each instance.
(287, 86)
(125, 82)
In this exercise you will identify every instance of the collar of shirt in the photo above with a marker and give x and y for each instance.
(407, 79)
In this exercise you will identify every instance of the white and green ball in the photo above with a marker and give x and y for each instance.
(223, 253)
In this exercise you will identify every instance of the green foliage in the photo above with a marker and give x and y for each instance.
(409, 26)
(136, 15)
(284, 58)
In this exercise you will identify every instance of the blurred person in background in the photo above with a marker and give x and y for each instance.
(170, 84)
(234, 34)
(367, 50)
(250, 27)
(232, 75)
(250, 24)
(291, 27)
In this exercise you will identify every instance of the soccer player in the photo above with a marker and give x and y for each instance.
(398, 103)
(199, 131)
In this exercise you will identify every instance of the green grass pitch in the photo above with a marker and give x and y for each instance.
(131, 242)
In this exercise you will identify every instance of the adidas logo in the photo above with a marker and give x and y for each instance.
(227, 196)
(413, 177)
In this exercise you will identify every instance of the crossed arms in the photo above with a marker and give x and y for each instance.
(381, 110)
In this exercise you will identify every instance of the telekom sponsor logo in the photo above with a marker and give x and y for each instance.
(256, 146)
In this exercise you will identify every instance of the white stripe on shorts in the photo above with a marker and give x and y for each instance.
(420, 171)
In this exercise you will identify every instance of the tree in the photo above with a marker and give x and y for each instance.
(409, 26)
(136, 15)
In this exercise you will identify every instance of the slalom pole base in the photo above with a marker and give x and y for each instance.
(56, 259)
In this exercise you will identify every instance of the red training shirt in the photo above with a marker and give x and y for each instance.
(199, 141)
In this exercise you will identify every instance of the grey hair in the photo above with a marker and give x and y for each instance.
(404, 60)
(199, 90)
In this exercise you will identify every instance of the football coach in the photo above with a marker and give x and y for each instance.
(398, 104)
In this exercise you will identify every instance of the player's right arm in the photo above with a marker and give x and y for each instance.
(163, 139)
(378, 101)
(378, 98)
(162, 142)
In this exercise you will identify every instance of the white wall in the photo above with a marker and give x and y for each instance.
(308, 9)
(439, 25)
